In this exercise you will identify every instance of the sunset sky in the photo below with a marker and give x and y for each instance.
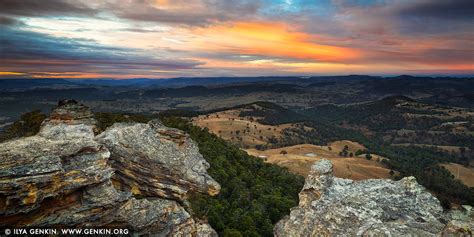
(194, 38)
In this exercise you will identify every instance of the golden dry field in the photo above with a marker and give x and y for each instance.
(299, 158)
(465, 174)
(245, 132)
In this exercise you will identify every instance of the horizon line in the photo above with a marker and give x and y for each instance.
(467, 76)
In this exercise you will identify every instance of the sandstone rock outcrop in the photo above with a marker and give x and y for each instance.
(134, 176)
(331, 206)
(139, 156)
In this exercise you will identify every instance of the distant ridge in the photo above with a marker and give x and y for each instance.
(201, 81)
(29, 83)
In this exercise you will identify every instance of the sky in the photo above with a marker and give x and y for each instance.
(210, 38)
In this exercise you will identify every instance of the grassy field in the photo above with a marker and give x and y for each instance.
(337, 146)
(465, 174)
(246, 132)
(243, 131)
(299, 158)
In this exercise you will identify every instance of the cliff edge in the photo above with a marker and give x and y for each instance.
(135, 176)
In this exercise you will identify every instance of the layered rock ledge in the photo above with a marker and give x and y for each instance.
(331, 206)
(133, 175)
(154, 160)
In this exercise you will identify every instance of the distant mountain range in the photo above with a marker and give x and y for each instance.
(18, 96)
(202, 81)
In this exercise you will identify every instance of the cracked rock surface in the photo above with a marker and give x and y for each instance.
(132, 176)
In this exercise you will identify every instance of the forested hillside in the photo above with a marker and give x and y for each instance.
(254, 194)
(395, 127)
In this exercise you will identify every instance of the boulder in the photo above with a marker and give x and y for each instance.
(61, 158)
(331, 206)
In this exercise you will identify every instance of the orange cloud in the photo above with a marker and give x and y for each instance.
(270, 40)
(11, 73)
(86, 75)
(180, 5)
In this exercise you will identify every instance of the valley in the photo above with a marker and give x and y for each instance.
(245, 131)
(369, 127)
(281, 136)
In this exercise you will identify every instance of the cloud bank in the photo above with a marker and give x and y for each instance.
(166, 38)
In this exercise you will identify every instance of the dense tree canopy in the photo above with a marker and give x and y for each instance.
(254, 195)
